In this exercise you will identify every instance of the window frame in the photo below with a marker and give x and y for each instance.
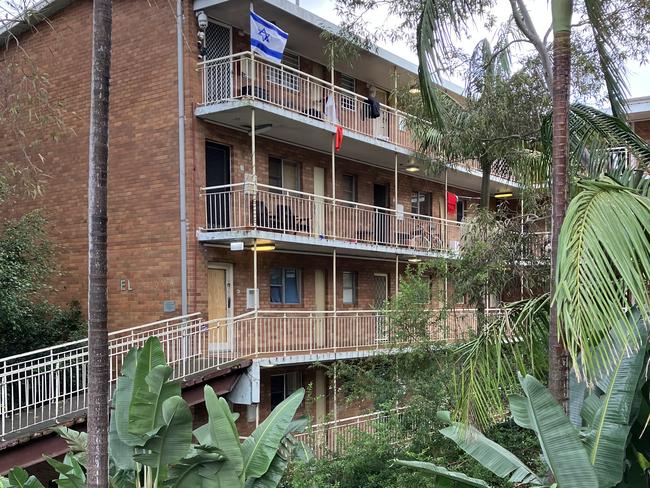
(353, 287)
(353, 190)
(287, 389)
(283, 285)
(348, 102)
(283, 162)
(416, 199)
(286, 79)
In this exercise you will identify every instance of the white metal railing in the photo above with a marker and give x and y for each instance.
(240, 76)
(328, 438)
(40, 388)
(232, 207)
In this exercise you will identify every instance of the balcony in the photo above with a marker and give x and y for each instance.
(46, 387)
(298, 217)
(233, 83)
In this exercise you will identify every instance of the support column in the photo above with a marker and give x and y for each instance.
(446, 231)
(396, 273)
(396, 200)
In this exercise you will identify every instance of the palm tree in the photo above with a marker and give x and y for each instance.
(562, 13)
(98, 360)
(441, 20)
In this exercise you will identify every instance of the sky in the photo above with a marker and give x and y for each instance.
(638, 76)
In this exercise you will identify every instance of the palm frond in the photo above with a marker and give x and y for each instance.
(489, 364)
(592, 136)
(441, 22)
(613, 70)
(603, 268)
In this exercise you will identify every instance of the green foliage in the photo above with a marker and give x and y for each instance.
(491, 260)
(27, 320)
(368, 459)
(604, 460)
(164, 454)
(489, 364)
(603, 263)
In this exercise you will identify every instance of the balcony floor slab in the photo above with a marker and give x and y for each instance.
(291, 242)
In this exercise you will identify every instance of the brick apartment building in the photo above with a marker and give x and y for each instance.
(269, 203)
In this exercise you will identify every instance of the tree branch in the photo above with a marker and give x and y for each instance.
(527, 28)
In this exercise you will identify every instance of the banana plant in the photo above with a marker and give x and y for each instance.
(151, 437)
(608, 448)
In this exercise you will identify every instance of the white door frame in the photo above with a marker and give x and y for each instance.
(228, 267)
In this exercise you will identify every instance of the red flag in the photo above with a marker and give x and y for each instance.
(452, 200)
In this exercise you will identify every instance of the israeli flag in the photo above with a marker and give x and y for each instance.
(267, 39)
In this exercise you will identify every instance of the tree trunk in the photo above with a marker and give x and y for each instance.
(558, 364)
(486, 168)
(98, 360)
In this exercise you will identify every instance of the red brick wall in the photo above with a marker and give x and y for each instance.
(642, 128)
(143, 168)
(144, 245)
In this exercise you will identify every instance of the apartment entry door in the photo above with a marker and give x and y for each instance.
(382, 222)
(379, 302)
(218, 75)
(220, 302)
(320, 302)
(217, 175)
(319, 204)
(380, 128)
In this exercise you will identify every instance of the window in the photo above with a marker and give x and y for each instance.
(349, 287)
(285, 285)
(284, 174)
(287, 79)
(350, 84)
(421, 203)
(283, 385)
(349, 188)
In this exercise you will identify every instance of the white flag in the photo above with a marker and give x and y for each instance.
(267, 39)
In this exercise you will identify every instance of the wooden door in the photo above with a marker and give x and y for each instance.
(319, 205)
(380, 128)
(320, 299)
(218, 307)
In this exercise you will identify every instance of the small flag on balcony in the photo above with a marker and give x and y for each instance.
(267, 39)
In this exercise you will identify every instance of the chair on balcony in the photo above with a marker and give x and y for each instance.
(264, 219)
(256, 92)
(288, 221)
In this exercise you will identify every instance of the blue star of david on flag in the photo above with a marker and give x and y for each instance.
(267, 39)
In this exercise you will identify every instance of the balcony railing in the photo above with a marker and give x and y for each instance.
(329, 438)
(232, 207)
(239, 76)
(41, 388)
(242, 77)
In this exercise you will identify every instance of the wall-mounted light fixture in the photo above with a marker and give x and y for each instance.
(414, 259)
(505, 194)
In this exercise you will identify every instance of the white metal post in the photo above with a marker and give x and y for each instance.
(396, 200)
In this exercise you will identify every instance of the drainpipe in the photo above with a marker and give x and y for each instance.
(181, 153)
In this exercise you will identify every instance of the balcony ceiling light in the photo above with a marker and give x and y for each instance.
(412, 167)
(264, 245)
(505, 194)
(414, 259)
(414, 90)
